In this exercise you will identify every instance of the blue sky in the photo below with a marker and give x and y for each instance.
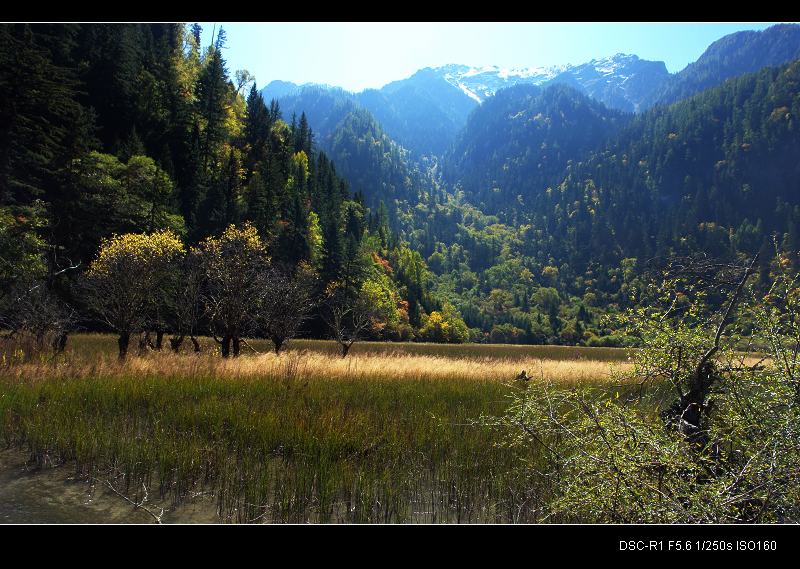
(360, 55)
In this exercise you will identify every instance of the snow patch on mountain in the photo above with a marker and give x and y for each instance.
(469, 93)
(619, 81)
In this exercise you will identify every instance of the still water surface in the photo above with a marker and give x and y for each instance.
(55, 495)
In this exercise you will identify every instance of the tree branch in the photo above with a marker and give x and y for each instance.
(725, 318)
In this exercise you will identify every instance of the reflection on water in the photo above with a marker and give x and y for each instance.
(54, 495)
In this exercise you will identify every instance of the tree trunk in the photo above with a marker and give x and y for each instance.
(693, 403)
(196, 344)
(237, 346)
(175, 343)
(144, 340)
(123, 342)
(226, 346)
(693, 410)
(39, 341)
(345, 349)
(60, 343)
(278, 342)
(159, 339)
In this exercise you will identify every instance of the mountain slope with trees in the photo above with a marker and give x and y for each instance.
(375, 165)
(519, 141)
(145, 133)
(539, 221)
(712, 174)
(728, 57)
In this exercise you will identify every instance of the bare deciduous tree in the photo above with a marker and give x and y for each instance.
(693, 371)
(349, 316)
(184, 300)
(33, 310)
(286, 304)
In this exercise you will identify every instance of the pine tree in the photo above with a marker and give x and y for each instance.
(222, 38)
(261, 207)
(257, 127)
(302, 135)
(274, 111)
(39, 116)
(212, 89)
(196, 30)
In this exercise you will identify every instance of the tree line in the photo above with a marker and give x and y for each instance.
(228, 286)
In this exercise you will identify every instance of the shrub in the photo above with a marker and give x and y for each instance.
(698, 431)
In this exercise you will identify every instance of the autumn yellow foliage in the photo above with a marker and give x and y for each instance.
(135, 249)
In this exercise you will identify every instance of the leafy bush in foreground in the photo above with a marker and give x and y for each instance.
(726, 448)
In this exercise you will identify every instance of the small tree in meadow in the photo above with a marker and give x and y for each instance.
(235, 266)
(125, 283)
(287, 303)
(183, 302)
(352, 315)
(37, 313)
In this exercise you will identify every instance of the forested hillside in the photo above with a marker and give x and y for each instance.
(519, 141)
(423, 113)
(537, 222)
(376, 166)
(117, 129)
(728, 57)
(716, 174)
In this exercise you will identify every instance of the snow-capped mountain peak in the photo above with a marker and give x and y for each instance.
(481, 82)
(619, 80)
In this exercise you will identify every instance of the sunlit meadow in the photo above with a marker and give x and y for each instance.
(388, 434)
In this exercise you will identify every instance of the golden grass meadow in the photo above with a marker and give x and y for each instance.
(389, 434)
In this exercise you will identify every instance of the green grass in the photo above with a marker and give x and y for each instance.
(290, 448)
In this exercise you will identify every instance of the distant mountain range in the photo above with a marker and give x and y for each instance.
(620, 81)
(425, 112)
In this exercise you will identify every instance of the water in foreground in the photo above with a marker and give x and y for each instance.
(30, 495)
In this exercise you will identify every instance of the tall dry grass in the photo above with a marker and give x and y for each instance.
(379, 436)
(91, 345)
(306, 365)
(324, 364)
